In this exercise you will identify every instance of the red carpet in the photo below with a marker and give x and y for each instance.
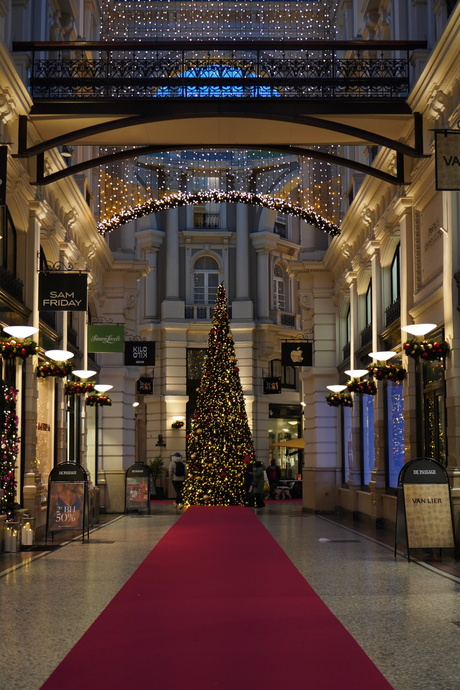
(217, 605)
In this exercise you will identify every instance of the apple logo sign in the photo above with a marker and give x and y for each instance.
(297, 355)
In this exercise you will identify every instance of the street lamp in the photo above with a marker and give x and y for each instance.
(418, 328)
(59, 355)
(336, 388)
(84, 373)
(356, 373)
(382, 356)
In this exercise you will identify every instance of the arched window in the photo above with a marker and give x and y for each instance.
(206, 278)
(279, 288)
(8, 243)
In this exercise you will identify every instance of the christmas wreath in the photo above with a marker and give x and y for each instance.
(9, 347)
(98, 399)
(426, 349)
(78, 387)
(178, 424)
(339, 400)
(392, 372)
(363, 387)
(61, 369)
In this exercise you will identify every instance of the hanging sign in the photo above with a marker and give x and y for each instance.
(139, 353)
(62, 291)
(424, 505)
(447, 152)
(144, 385)
(106, 338)
(3, 169)
(295, 354)
(272, 384)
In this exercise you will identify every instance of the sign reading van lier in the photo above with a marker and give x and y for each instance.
(59, 291)
(427, 504)
(447, 147)
(106, 338)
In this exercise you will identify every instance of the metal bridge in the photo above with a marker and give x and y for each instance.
(281, 95)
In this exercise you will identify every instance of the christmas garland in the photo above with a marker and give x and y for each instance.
(215, 196)
(426, 349)
(362, 387)
(61, 369)
(78, 387)
(9, 347)
(339, 400)
(10, 447)
(178, 424)
(392, 372)
(98, 399)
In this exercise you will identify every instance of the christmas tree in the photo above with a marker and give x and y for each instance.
(220, 441)
(10, 447)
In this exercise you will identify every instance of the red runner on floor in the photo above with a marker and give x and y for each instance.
(217, 605)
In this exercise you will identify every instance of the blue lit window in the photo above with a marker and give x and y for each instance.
(217, 71)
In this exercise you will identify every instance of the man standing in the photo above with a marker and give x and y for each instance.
(274, 475)
(177, 472)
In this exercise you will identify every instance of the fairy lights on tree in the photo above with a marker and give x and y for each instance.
(220, 441)
(9, 450)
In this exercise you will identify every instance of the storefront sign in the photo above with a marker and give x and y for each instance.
(145, 385)
(272, 385)
(139, 353)
(67, 491)
(424, 516)
(62, 291)
(295, 354)
(106, 338)
(138, 478)
(447, 145)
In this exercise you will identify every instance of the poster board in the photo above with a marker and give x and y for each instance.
(424, 517)
(67, 499)
(137, 488)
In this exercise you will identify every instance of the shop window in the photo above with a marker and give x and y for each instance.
(8, 243)
(347, 445)
(367, 438)
(394, 432)
(393, 311)
(287, 374)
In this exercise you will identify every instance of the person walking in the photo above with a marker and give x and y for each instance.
(177, 472)
(274, 476)
(258, 482)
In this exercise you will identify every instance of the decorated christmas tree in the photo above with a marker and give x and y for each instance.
(220, 441)
(10, 441)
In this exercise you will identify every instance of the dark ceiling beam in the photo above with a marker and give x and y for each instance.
(146, 150)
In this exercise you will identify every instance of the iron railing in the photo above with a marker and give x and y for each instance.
(219, 69)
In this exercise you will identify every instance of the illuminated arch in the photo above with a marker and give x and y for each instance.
(215, 196)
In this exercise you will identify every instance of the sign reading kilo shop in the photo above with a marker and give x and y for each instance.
(139, 353)
(106, 338)
(59, 291)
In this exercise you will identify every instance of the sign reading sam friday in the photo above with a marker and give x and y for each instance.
(59, 291)
(106, 338)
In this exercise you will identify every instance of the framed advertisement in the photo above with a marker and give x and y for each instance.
(67, 498)
(137, 487)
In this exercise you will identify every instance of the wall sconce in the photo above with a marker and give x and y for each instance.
(59, 355)
(356, 373)
(20, 332)
(418, 328)
(382, 356)
(178, 423)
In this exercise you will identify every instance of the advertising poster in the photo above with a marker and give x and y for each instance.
(66, 505)
(137, 492)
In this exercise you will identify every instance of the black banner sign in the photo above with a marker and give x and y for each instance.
(295, 354)
(62, 291)
(272, 385)
(139, 353)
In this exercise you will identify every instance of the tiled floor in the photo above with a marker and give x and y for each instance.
(405, 615)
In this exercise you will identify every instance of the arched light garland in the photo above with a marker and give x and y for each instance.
(216, 196)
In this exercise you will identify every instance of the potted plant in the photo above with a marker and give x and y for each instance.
(157, 468)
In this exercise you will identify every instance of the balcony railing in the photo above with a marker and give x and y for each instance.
(392, 312)
(219, 69)
(206, 221)
(12, 285)
(202, 312)
(283, 318)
